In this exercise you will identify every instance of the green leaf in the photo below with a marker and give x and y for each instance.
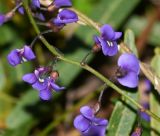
(7, 35)
(129, 40)
(137, 24)
(154, 98)
(123, 118)
(19, 115)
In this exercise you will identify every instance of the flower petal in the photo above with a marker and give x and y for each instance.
(21, 10)
(87, 112)
(66, 16)
(100, 122)
(117, 35)
(45, 94)
(56, 87)
(14, 58)
(108, 48)
(36, 3)
(107, 32)
(129, 80)
(129, 61)
(2, 19)
(29, 78)
(81, 123)
(28, 53)
(95, 131)
(61, 3)
(112, 49)
(39, 86)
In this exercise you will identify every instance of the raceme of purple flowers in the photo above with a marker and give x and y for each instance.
(128, 71)
(65, 17)
(107, 40)
(18, 56)
(44, 83)
(88, 124)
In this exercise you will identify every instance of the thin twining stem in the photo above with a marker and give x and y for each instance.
(86, 67)
(39, 35)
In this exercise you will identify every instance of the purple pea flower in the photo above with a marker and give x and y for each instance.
(41, 81)
(40, 16)
(107, 40)
(2, 19)
(144, 115)
(65, 17)
(137, 132)
(127, 73)
(88, 124)
(62, 3)
(18, 56)
(36, 3)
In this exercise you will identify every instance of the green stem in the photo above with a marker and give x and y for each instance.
(86, 67)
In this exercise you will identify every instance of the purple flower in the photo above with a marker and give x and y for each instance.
(41, 81)
(127, 73)
(137, 132)
(64, 17)
(88, 124)
(40, 16)
(18, 56)
(36, 3)
(2, 19)
(144, 115)
(21, 10)
(107, 40)
(62, 3)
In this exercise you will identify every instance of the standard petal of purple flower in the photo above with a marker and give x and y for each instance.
(45, 94)
(56, 87)
(108, 48)
(107, 32)
(40, 86)
(61, 3)
(29, 78)
(111, 49)
(65, 16)
(2, 19)
(28, 53)
(87, 112)
(130, 62)
(129, 80)
(36, 3)
(81, 123)
(14, 58)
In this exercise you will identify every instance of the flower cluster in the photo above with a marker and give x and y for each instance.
(88, 124)
(43, 80)
(107, 40)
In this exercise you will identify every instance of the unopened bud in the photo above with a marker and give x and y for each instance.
(96, 48)
(54, 75)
